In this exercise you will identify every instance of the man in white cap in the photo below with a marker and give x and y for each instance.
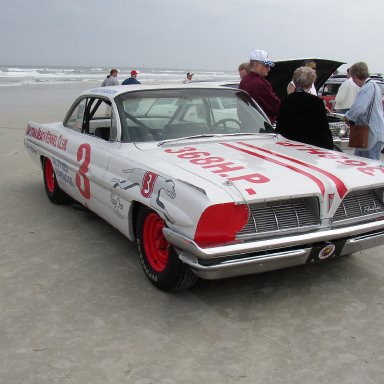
(258, 87)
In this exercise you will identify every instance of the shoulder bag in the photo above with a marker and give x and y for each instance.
(358, 134)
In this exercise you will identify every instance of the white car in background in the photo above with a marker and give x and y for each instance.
(195, 175)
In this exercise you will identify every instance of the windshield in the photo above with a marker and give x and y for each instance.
(156, 115)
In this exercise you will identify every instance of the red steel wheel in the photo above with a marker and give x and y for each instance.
(159, 259)
(54, 193)
(155, 244)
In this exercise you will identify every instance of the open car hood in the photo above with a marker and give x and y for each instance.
(281, 74)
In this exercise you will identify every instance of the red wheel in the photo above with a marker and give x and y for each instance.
(159, 259)
(156, 247)
(54, 193)
(49, 175)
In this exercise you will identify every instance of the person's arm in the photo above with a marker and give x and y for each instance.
(291, 87)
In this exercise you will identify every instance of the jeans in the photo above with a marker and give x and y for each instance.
(373, 153)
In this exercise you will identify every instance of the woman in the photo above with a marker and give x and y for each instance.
(368, 99)
(302, 116)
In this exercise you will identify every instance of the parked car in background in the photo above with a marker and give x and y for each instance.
(329, 89)
(195, 175)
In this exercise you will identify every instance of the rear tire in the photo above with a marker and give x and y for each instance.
(159, 259)
(54, 193)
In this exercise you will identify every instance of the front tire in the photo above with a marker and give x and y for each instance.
(54, 193)
(158, 258)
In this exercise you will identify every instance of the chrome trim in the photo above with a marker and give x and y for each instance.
(274, 260)
(182, 242)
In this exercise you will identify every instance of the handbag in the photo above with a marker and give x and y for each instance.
(358, 134)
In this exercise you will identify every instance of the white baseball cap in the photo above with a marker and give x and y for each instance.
(262, 56)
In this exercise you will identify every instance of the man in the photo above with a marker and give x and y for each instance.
(188, 79)
(367, 109)
(244, 69)
(346, 95)
(258, 87)
(111, 80)
(132, 79)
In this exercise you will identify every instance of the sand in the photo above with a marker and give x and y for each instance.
(75, 306)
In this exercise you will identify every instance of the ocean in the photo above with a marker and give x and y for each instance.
(17, 75)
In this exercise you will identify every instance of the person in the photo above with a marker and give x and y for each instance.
(111, 79)
(291, 86)
(302, 116)
(132, 79)
(258, 87)
(244, 69)
(346, 95)
(188, 79)
(367, 109)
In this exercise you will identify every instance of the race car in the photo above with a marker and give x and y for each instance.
(196, 176)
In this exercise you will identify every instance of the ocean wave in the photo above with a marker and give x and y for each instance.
(20, 75)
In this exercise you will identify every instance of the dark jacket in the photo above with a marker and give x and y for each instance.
(261, 90)
(302, 117)
(130, 80)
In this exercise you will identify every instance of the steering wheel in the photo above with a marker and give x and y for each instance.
(227, 120)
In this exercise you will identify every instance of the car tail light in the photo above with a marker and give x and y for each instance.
(220, 223)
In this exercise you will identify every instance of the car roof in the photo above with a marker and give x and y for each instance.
(113, 91)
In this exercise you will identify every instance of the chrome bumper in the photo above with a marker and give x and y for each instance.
(272, 254)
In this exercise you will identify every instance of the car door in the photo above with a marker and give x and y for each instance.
(92, 141)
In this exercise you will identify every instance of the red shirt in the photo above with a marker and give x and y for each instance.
(260, 89)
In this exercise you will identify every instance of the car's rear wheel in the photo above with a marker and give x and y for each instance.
(158, 258)
(54, 193)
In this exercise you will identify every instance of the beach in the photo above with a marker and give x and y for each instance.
(76, 306)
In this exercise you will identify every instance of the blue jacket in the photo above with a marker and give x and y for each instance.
(131, 80)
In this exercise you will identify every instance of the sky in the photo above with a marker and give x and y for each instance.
(188, 35)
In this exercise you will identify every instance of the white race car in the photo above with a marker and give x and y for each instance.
(196, 177)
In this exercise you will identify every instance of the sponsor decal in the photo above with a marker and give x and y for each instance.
(103, 91)
(48, 137)
(61, 171)
(151, 186)
(117, 205)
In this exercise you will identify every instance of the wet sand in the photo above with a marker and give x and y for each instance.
(77, 308)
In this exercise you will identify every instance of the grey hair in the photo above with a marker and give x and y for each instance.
(304, 77)
(359, 70)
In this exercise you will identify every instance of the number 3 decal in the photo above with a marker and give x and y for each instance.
(82, 181)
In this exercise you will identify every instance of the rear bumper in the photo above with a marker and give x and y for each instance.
(272, 254)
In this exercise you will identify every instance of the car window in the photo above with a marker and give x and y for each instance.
(167, 114)
(93, 116)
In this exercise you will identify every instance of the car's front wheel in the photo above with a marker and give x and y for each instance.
(54, 193)
(158, 258)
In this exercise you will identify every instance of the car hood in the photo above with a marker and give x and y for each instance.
(281, 74)
(266, 168)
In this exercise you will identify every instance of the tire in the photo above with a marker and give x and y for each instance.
(158, 258)
(54, 193)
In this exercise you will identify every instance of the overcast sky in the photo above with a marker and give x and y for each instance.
(188, 35)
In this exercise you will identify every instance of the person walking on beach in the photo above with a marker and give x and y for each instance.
(188, 79)
(111, 79)
(367, 109)
(258, 87)
(302, 116)
(132, 79)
